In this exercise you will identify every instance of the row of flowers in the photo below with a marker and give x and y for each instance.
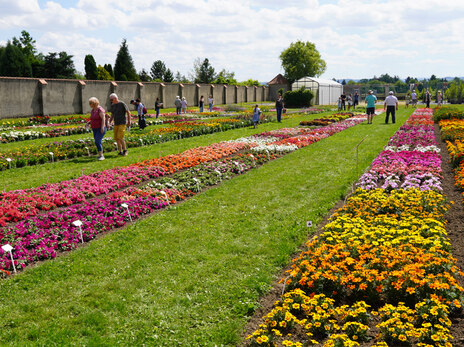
(381, 270)
(17, 205)
(39, 154)
(336, 117)
(40, 236)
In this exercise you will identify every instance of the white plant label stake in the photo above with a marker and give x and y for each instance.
(127, 208)
(198, 184)
(9, 248)
(51, 153)
(9, 162)
(78, 223)
(166, 195)
(88, 151)
(309, 224)
(219, 173)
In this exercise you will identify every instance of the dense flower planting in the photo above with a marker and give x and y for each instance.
(452, 131)
(326, 120)
(39, 154)
(384, 254)
(41, 235)
(410, 160)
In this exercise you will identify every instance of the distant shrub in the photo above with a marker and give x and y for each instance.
(298, 98)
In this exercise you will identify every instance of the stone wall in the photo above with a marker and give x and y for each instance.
(24, 97)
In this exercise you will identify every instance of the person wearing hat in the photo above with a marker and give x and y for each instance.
(391, 104)
(414, 98)
(370, 107)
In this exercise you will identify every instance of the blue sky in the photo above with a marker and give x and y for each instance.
(356, 38)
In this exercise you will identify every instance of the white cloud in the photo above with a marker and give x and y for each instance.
(357, 38)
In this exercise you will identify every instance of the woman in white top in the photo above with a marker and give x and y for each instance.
(210, 102)
(184, 105)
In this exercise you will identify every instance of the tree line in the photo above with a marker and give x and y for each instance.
(20, 58)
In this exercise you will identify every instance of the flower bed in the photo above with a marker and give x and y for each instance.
(39, 154)
(384, 253)
(42, 235)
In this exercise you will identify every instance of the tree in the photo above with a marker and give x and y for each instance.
(181, 78)
(109, 68)
(301, 59)
(158, 70)
(250, 82)
(144, 76)
(58, 65)
(91, 72)
(168, 76)
(124, 69)
(27, 45)
(225, 77)
(13, 63)
(203, 72)
(103, 74)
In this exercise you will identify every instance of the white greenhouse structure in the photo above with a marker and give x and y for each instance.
(326, 92)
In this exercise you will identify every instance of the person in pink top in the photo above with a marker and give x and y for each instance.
(98, 124)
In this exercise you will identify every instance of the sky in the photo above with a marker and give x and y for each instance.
(356, 38)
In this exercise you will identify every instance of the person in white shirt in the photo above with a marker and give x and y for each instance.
(414, 98)
(391, 104)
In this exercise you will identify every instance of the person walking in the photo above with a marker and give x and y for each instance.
(391, 104)
(279, 107)
(140, 112)
(355, 100)
(406, 100)
(349, 98)
(414, 98)
(201, 103)
(121, 117)
(439, 99)
(184, 105)
(158, 105)
(428, 97)
(98, 124)
(210, 103)
(343, 97)
(256, 115)
(370, 106)
(178, 104)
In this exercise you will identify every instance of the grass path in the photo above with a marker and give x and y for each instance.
(191, 274)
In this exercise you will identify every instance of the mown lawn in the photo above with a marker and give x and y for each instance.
(192, 274)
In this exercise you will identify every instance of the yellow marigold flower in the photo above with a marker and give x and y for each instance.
(401, 337)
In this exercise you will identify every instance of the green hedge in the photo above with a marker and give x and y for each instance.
(298, 98)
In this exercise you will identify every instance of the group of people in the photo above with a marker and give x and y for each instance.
(121, 118)
(99, 122)
(351, 100)
(390, 104)
(181, 104)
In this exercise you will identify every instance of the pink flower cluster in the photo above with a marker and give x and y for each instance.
(414, 164)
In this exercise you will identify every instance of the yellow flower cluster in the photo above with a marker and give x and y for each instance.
(380, 248)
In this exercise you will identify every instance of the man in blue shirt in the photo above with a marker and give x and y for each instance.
(370, 109)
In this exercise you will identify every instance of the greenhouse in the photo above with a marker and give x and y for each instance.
(326, 92)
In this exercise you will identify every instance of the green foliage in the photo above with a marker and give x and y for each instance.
(58, 65)
(109, 68)
(203, 72)
(91, 72)
(168, 76)
(13, 62)
(301, 59)
(158, 70)
(225, 77)
(181, 78)
(298, 98)
(144, 76)
(447, 112)
(103, 74)
(250, 82)
(124, 69)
